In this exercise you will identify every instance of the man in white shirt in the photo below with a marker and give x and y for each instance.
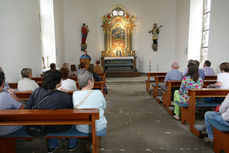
(26, 83)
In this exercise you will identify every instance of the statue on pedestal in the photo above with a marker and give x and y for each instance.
(155, 31)
(84, 32)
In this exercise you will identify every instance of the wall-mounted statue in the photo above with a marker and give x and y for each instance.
(84, 32)
(155, 32)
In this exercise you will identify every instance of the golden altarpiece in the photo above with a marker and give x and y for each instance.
(118, 28)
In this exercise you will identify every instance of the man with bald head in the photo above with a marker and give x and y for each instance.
(174, 74)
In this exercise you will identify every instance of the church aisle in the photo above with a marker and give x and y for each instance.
(137, 124)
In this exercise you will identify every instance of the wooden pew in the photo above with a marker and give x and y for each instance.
(158, 79)
(14, 85)
(37, 79)
(168, 93)
(24, 96)
(148, 81)
(188, 112)
(48, 117)
(213, 77)
(221, 136)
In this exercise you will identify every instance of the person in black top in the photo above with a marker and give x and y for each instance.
(48, 97)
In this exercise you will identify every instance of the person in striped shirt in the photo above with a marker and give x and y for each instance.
(208, 71)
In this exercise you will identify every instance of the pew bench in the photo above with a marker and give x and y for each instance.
(49, 117)
(167, 94)
(151, 79)
(156, 86)
(188, 111)
(221, 136)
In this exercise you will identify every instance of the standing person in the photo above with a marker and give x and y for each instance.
(26, 83)
(87, 98)
(174, 74)
(208, 71)
(222, 117)
(98, 69)
(6, 103)
(52, 99)
(85, 55)
(191, 81)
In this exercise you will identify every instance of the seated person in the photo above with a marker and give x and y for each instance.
(87, 98)
(52, 99)
(72, 73)
(208, 71)
(174, 74)
(6, 103)
(85, 55)
(66, 83)
(191, 81)
(223, 77)
(26, 83)
(6, 87)
(66, 66)
(222, 117)
(201, 73)
(81, 68)
(98, 69)
(95, 75)
(53, 67)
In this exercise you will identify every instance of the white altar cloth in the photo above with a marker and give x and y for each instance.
(118, 58)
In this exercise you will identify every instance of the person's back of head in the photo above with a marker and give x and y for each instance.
(82, 65)
(97, 62)
(91, 68)
(65, 65)
(2, 79)
(53, 66)
(64, 73)
(197, 63)
(26, 73)
(73, 67)
(84, 78)
(1, 70)
(193, 71)
(51, 79)
(207, 63)
(224, 67)
(175, 65)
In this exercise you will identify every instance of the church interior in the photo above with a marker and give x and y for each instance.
(137, 45)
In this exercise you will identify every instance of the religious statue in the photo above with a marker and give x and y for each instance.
(155, 31)
(84, 31)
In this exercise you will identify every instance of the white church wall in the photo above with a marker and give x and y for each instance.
(218, 35)
(59, 31)
(147, 12)
(77, 12)
(182, 28)
(20, 37)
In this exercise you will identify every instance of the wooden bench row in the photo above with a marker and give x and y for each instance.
(101, 75)
(49, 117)
(23, 96)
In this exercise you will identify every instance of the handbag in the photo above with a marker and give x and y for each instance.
(38, 130)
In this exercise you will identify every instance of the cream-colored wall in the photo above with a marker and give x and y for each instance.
(19, 37)
(147, 12)
(59, 31)
(218, 37)
(182, 28)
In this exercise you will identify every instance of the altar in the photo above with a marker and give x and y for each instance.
(119, 64)
(118, 55)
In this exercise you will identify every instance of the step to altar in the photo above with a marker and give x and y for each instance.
(122, 74)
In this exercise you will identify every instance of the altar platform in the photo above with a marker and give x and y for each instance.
(120, 66)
